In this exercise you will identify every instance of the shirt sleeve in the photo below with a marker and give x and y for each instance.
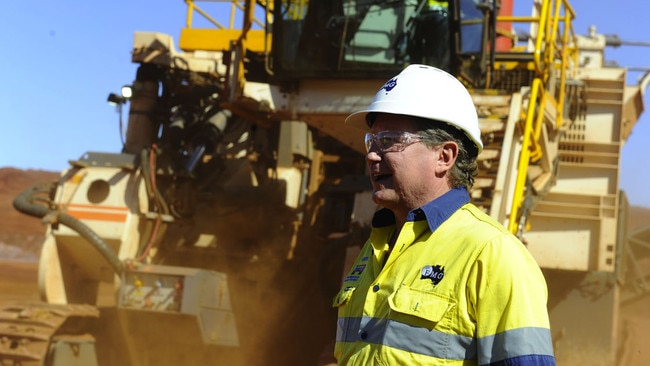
(507, 296)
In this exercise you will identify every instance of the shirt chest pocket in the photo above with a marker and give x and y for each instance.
(426, 306)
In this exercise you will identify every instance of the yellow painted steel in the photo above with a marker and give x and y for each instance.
(554, 55)
(219, 37)
(524, 160)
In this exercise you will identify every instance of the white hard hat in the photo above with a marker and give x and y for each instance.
(427, 92)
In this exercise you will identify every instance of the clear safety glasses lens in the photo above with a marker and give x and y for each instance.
(391, 141)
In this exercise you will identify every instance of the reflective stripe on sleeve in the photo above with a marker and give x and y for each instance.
(514, 343)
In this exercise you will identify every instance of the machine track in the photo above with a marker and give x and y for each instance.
(30, 332)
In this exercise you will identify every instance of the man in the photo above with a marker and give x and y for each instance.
(438, 281)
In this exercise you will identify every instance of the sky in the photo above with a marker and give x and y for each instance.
(61, 59)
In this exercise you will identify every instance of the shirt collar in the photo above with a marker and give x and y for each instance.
(439, 210)
(435, 212)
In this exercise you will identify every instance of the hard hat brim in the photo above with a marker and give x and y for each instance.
(358, 120)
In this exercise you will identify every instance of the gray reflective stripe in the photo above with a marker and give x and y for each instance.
(515, 342)
(509, 344)
(406, 337)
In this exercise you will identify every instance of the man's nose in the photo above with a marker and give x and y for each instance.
(373, 154)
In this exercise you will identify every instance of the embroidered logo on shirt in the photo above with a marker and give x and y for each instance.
(358, 269)
(355, 273)
(434, 273)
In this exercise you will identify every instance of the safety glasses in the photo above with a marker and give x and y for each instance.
(391, 141)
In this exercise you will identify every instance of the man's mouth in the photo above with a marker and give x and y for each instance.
(378, 177)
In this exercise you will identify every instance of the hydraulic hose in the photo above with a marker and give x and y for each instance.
(26, 202)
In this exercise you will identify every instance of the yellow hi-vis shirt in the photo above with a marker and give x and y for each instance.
(457, 289)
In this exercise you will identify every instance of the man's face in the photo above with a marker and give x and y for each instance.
(403, 180)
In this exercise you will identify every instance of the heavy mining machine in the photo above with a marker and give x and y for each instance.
(219, 233)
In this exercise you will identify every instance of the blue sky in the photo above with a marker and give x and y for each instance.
(60, 60)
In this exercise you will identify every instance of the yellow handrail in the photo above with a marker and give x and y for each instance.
(524, 159)
(554, 54)
(256, 18)
(236, 7)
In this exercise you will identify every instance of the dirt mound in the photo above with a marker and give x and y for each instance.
(638, 216)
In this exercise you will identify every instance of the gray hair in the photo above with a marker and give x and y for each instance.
(465, 169)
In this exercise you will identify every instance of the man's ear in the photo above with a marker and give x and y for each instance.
(446, 157)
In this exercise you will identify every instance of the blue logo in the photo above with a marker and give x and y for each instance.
(390, 84)
(355, 274)
(434, 273)
(358, 270)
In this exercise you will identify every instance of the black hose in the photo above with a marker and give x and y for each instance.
(26, 203)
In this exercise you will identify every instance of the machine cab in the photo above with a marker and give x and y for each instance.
(367, 38)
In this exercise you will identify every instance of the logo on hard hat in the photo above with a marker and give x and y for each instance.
(434, 273)
(390, 84)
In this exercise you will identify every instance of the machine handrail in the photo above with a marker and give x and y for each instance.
(555, 55)
(236, 7)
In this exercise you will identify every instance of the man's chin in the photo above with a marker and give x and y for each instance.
(383, 197)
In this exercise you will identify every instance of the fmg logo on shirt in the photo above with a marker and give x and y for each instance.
(434, 273)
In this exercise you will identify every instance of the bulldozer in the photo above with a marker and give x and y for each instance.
(220, 233)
